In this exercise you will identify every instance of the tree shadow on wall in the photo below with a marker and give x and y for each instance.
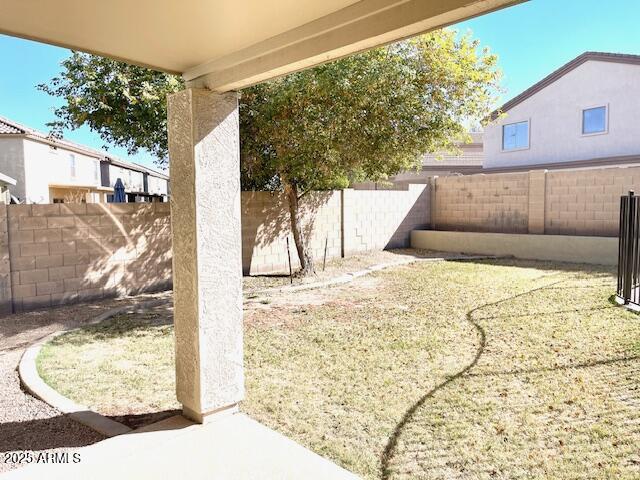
(106, 251)
(266, 225)
(136, 255)
(415, 218)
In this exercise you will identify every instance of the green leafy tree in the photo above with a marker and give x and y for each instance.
(125, 104)
(364, 117)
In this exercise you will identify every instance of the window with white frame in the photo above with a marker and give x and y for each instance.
(72, 165)
(594, 120)
(515, 136)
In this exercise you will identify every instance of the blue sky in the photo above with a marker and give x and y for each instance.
(535, 38)
(531, 40)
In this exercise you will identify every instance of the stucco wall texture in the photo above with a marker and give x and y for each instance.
(562, 202)
(63, 253)
(555, 116)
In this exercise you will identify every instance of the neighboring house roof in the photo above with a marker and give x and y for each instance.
(446, 159)
(470, 154)
(9, 127)
(562, 71)
(134, 166)
(6, 179)
(14, 128)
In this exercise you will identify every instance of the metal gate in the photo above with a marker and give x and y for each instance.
(628, 290)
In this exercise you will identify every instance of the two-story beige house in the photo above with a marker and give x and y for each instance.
(585, 113)
(52, 170)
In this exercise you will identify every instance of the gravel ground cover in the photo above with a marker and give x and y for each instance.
(26, 423)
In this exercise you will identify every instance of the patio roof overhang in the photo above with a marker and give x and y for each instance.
(229, 44)
(220, 46)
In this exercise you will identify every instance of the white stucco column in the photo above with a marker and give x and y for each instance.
(204, 151)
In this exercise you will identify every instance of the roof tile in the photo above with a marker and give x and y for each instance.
(9, 128)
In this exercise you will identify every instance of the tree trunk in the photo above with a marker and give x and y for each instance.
(304, 253)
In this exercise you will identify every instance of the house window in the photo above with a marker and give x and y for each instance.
(72, 165)
(594, 120)
(515, 136)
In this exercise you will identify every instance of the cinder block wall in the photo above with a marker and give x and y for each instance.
(587, 202)
(482, 203)
(559, 202)
(63, 253)
(266, 227)
(379, 219)
(54, 254)
(347, 222)
(5, 266)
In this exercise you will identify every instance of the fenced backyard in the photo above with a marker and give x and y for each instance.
(66, 253)
(497, 368)
(60, 254)
(475, 369)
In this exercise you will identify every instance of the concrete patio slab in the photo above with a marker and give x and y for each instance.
(230, 447)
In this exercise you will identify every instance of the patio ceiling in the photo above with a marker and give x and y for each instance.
(230, 44)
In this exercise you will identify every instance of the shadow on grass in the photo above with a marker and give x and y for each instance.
(41, 434)
(115, 327)
(392, 443)
(410, 415)
(593, 271)
(37, 324)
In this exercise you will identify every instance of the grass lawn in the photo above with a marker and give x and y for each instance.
(496, 369)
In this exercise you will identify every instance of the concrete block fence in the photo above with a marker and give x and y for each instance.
(64, 253)
(558, 202)
(482, 203)
(345, 222)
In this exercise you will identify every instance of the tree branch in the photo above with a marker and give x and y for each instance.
(303, 194)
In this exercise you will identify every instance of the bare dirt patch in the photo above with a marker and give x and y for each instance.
(337, 267)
